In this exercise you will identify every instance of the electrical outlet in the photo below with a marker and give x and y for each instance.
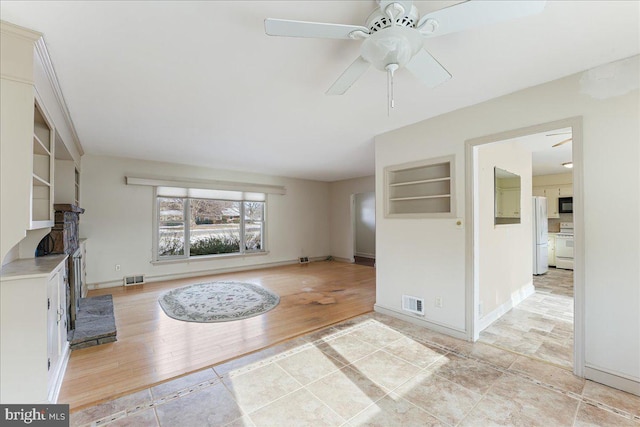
(439, 302)
(117, 267)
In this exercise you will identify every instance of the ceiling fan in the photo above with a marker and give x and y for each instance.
(564, 141)
(394, 32)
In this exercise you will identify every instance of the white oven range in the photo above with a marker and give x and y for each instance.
(564, 246)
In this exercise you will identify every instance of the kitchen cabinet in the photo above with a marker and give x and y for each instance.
(551, 249)
(538, 191)
(552, 193)
(33, 329)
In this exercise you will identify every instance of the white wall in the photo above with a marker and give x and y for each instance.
(428, 256)
(504, 251)
(340, 219)
(365, 224)
(118, 220)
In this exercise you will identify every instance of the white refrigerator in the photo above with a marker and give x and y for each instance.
(540, 242)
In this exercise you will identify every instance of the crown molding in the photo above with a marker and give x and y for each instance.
(43, 54)
(18, 31)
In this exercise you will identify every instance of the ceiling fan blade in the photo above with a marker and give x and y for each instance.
(559, 133)
(475, 13)
(283, 27)
(427, 69)
(561, 142)
(349, 77)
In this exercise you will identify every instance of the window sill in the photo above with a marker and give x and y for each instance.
(207, 258)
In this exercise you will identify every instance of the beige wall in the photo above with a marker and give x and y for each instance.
(505, 259)
(342, 232)
(119, 217)
(428, 257)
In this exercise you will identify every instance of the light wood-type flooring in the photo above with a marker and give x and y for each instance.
(153, 348)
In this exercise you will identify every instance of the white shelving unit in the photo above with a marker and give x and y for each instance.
(42, 183)
(420, 189)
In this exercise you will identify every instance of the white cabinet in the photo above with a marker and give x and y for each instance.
(538, 191)
(552, 193)
(509, 205)
(420, 189)
(565, 190)
(551, 249)
(33, 330)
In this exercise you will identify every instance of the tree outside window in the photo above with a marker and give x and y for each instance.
(214, 227)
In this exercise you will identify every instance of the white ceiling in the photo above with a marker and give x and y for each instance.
(200, 83)
(545, 158)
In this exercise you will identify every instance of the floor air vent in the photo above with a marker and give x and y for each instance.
(413, 304)
(134, 280)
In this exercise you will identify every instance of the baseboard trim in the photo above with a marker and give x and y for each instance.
(340, 259)
(612, 380)
(420, 321)
(365, 255)
(162, 277)
(516, 298)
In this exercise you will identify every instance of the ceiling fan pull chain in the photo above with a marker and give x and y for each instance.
(388, 92)
(391, 69)
(392, 104)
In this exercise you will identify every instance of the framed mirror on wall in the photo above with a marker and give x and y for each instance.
(506, 186)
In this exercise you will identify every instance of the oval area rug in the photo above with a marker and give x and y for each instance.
(217, 302)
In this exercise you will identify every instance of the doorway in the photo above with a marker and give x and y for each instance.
(364, 228)
(543, 319)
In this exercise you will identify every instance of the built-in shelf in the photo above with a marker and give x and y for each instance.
(437, 196)
(42, 182)
(422, 181)
(420, 189)
(39, 147)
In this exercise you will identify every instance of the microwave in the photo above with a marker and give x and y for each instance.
(565, 205)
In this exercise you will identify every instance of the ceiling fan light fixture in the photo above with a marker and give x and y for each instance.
(393, 45)
(568, 165)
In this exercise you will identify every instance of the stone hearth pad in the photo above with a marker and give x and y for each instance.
(95, 322)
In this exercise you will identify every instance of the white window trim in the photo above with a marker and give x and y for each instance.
(207, 185)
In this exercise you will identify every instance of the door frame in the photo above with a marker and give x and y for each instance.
(472, 280)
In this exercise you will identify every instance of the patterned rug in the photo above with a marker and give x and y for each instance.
(217, 302)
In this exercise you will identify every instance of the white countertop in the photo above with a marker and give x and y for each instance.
(31, 267)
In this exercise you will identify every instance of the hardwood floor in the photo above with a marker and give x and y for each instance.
(153, 348)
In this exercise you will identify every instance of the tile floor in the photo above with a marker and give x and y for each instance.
(373, 370)
(541, 326)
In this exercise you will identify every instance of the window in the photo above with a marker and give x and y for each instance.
(171, 226)
(198, 226)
